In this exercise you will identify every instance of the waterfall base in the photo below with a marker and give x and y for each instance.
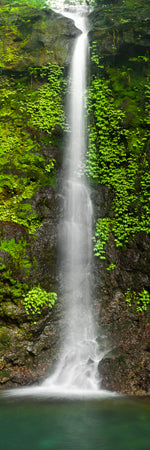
(58, 392)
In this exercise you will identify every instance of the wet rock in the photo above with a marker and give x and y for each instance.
(36, 37)
(117, 27)
(126, 371)
(10, 230)
(12, 313)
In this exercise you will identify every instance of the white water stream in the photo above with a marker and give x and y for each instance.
(77, 368)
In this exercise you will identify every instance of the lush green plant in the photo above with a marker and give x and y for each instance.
(118, 158)
(17, 253)
(111, 266)
(34, 3)
(141, 300)
(46, 110)
(12, 267)
(24, 170)
(37, 298)
(11, 288)
(21, 176)
(147, 103)
(101, 237)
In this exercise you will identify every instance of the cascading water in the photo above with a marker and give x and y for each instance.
(77, 368)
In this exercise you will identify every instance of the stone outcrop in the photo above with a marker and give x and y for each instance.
(33, 38)
(120, 31)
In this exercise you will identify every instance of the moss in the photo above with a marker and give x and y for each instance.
(31, 37)
(4, 338)
(4, 376)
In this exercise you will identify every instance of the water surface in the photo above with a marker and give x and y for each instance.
(107, 424)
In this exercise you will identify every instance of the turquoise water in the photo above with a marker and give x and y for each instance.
(108, 424)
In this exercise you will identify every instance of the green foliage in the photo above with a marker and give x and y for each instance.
(147, 103)
(10, 285)
(132, 4)
(46, 110)
(94, 55)
(16, 264)
(50, 166)
(111, 266)
(37, 298)
(25, 112)
(118, 157)
(33, 3)
(11, 288)
(24, 138)
(17, 253)
(101, 237)
(141, 300)
(22, 174)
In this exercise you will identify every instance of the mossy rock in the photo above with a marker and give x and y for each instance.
(33, 37)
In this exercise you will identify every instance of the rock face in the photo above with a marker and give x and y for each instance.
(32, 38)
(121, 31)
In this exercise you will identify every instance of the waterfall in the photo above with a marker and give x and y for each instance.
(77, 367)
